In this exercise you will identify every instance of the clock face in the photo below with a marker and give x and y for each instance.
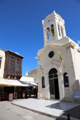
(51, 54)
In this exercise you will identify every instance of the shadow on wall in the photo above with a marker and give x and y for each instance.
(75, 86)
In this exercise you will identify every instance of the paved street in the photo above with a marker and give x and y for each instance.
(9, 111)
(12, 112)
(53, 108)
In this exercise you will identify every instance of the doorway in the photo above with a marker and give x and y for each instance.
(53, 84)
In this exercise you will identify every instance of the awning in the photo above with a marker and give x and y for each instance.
(29, 84)
(15, 83)
(8, 82)
(28, 80)
(32, 84)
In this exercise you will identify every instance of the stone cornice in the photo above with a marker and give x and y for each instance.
(78, 49)
(68, 45)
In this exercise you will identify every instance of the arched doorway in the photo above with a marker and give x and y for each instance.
(53, 84)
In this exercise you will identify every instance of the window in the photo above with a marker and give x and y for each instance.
(66, 80)
(18, 65)
(51, 54)
(43, 82)
(0, 61)
(52, 30)
(48, 33)
(12, 63)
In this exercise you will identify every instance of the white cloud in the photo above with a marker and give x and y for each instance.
(17, 53)
(78, 42)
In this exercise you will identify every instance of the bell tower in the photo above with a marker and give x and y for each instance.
(53, 28)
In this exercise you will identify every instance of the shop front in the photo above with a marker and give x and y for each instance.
(16, 88)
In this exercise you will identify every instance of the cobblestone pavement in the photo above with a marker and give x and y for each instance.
(12, 112)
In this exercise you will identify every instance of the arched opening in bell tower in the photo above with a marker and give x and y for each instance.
(52, 30)
(48, 33)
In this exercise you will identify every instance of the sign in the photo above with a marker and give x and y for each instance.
(77, 94)
(23, 94)
(10, 97)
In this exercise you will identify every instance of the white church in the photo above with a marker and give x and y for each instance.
(59, 73)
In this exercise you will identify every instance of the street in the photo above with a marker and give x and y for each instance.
(9, 111)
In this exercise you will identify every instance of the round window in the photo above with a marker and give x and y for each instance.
(51, 54)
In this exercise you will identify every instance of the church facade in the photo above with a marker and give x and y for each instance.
(59, 68)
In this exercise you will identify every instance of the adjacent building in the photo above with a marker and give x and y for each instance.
(34, 74)
(10, 65)
(11, 79)
(31, 85)
(10, 74)
(59, 68)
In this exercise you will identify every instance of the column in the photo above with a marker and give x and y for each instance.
(63, 31)
(56, 32)
(61, 86)
(50, 36)
(45, 36)
(60, 32)
(47, 93)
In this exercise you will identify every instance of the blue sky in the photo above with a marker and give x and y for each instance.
(21, 25)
